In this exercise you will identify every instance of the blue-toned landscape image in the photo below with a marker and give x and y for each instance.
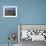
(10, 11)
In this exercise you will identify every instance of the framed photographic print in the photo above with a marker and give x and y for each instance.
(33, 32)
(9, 11)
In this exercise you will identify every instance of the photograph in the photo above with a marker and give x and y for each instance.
(9, 11)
